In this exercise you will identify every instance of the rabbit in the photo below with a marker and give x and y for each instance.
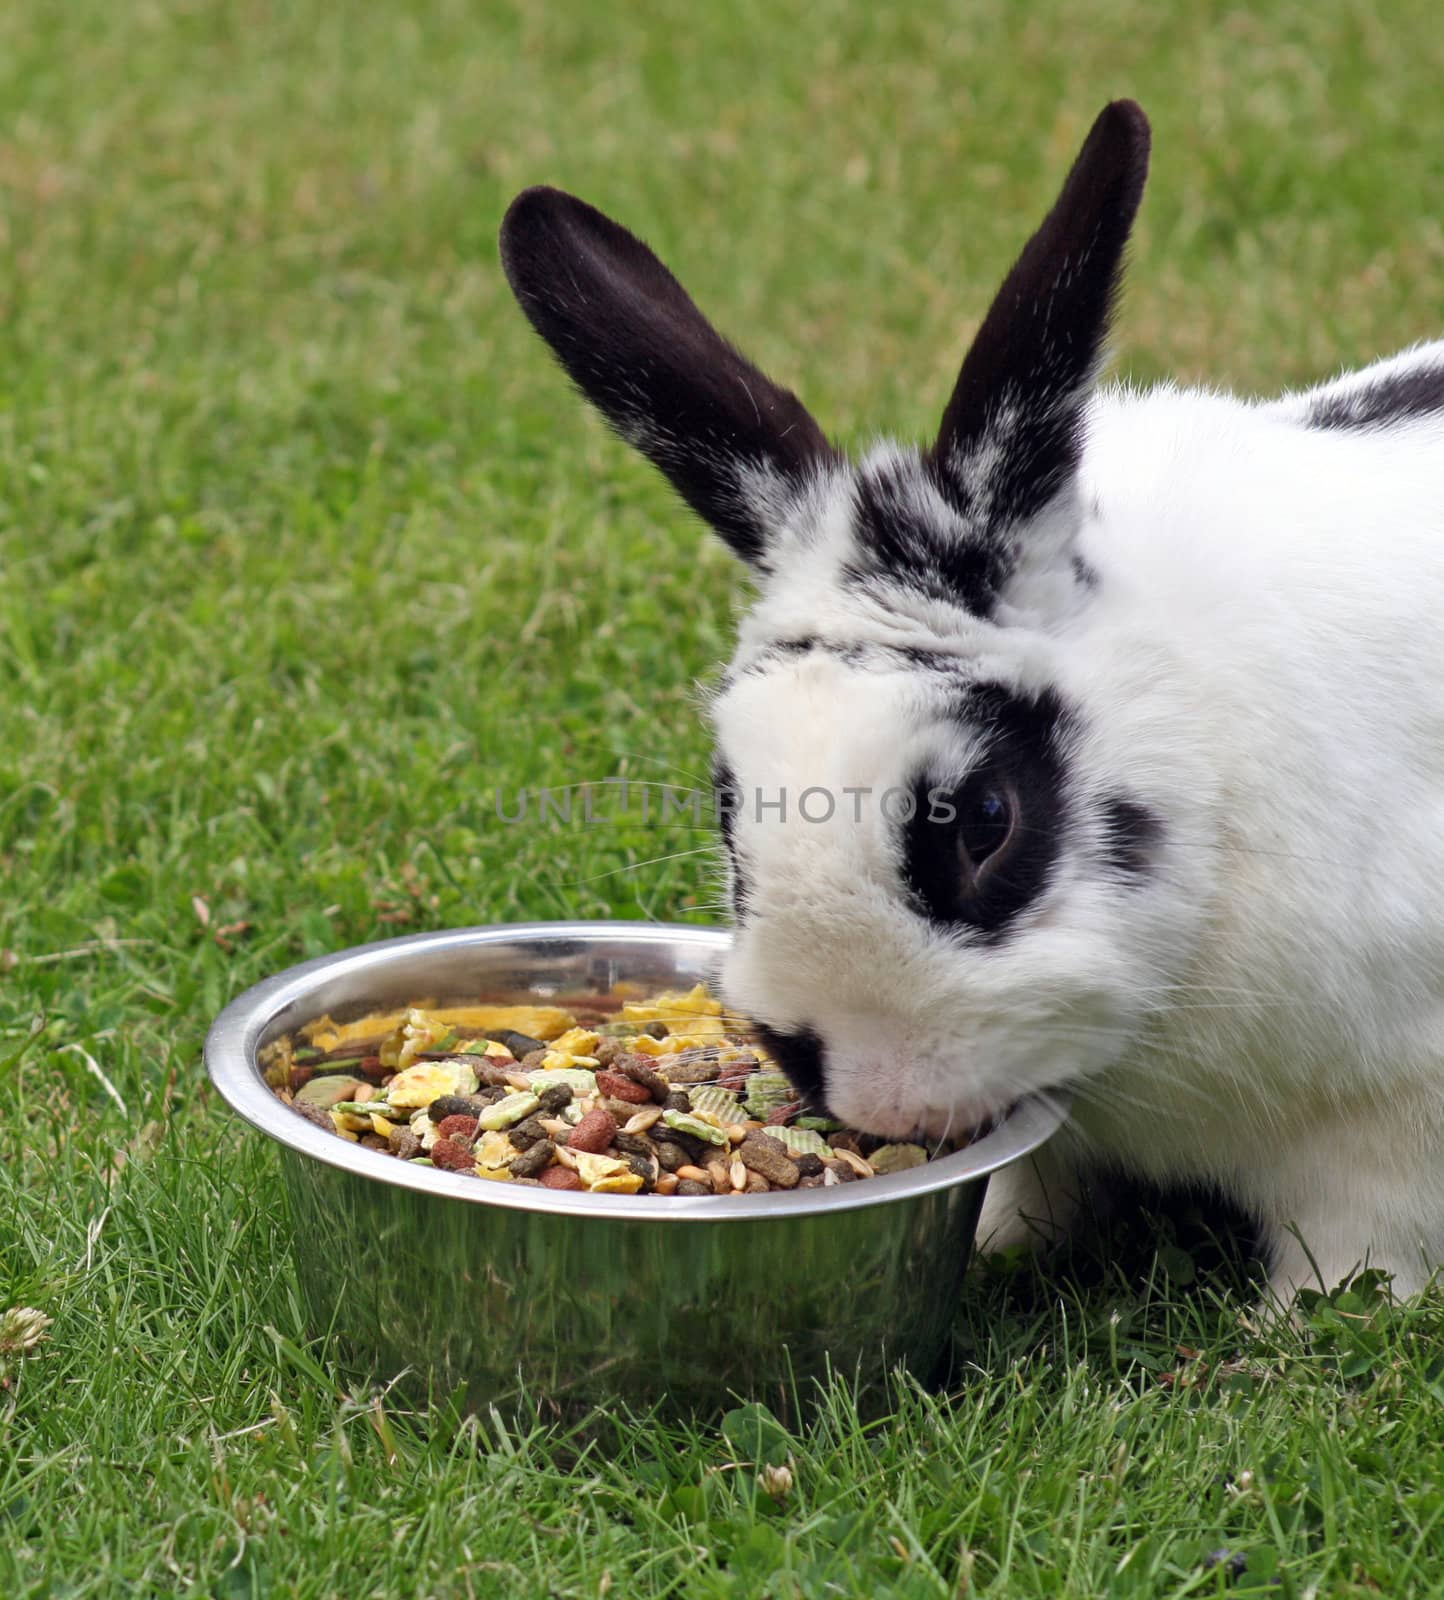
(1129, 707)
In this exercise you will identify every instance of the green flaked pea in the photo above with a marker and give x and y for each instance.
(767, 1092)
(715, 1101)
(695, 1126)
(509, 1109)
(326, 1093)
(897, 1158)
(800, 1140)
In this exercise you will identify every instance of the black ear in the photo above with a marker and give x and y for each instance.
(1011, 435)
(642, 353)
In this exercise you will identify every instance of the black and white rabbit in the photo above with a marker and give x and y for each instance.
(1131, 711)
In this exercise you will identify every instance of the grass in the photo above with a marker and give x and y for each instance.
(305, 551)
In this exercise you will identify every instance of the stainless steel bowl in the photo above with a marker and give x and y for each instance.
(557, 1300)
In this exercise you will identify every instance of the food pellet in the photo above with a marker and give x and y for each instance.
(645, 1097)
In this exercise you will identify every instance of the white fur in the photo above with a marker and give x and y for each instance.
(1261, 664)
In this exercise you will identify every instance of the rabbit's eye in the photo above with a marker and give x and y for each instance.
(985, 824)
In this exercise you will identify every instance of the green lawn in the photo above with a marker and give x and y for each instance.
(305, 550)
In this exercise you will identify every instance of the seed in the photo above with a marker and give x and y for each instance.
(693, 1175)
(859, 1167)
(720, 1172)
(736, 1131)
(643, 1120)
(738, 1174)
(667, 1183)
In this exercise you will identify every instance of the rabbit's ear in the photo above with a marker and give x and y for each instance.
(732, 442)
(1011, 434)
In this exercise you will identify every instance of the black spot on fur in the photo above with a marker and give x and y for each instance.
(727, 799)
(1398, 398)
(1023, 753)
(1131, 833)
(1086, 576)
(634, 343)
(799, 1053)
(948, 560)
(1012, 432)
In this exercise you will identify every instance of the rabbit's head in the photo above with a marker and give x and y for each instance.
(935, 875)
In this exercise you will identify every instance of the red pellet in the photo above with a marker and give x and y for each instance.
(560, 1178)
(783, 1113)
(452, 1156)
(618, 1086)
(449, 1127)
(370, 1067)
(593, 1133)
(301, 1076)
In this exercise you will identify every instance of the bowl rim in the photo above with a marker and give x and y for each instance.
(234, 1038)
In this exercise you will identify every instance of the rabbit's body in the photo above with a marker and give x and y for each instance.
(1264, 650)
(1161, 678)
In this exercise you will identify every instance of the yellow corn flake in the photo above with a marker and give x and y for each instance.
(348, 1122)
(673, 1045)
(696, 1011)
(593, 1169)
(427, 1081)
(381, 1125)
(564, 1061)
(622, 1183)
(537, 1022)
(418, 1032)
(496, 1174)
(495, 1150)
(577, 1042)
